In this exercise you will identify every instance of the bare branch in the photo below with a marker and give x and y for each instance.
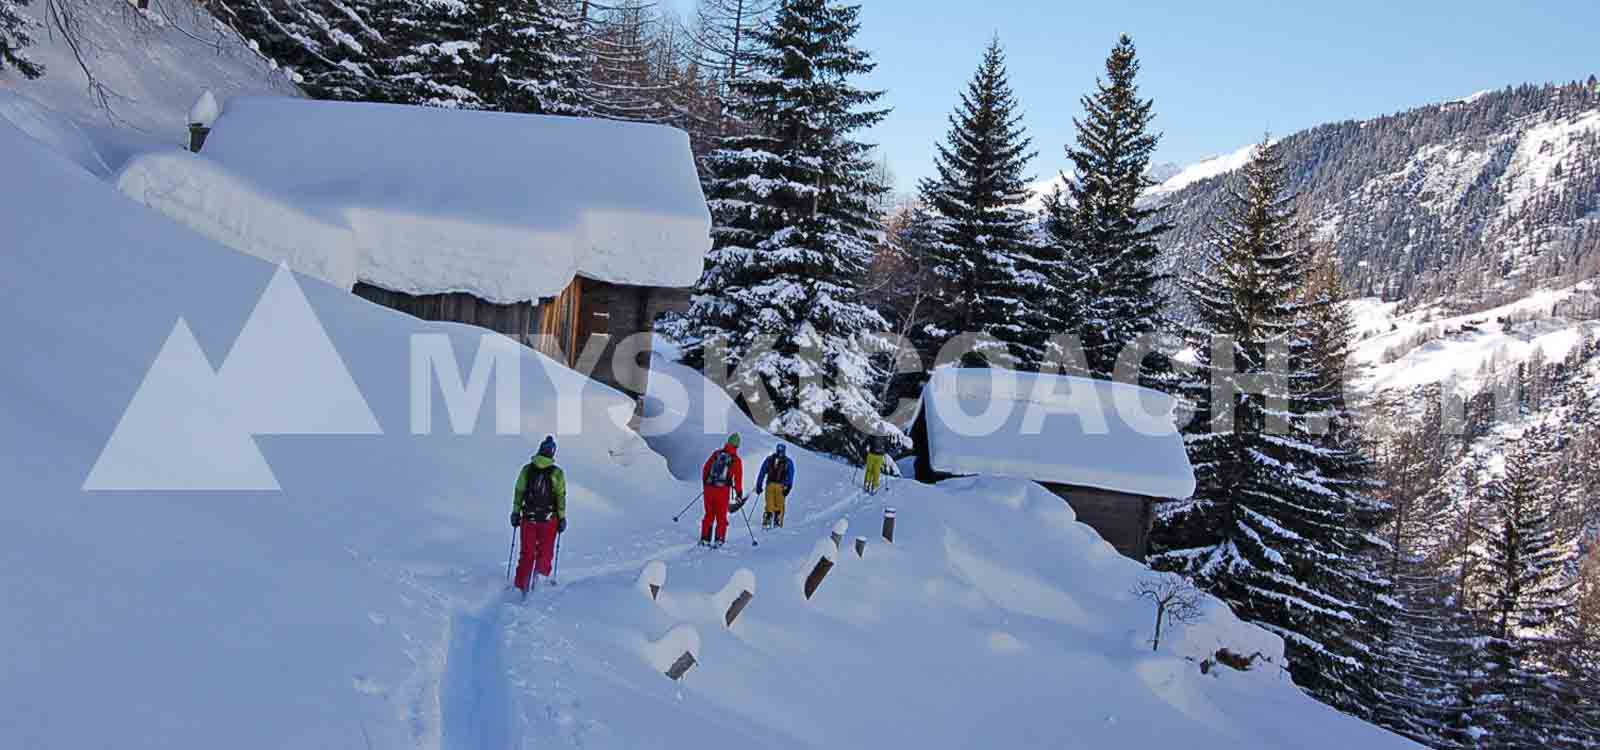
(1176, 599)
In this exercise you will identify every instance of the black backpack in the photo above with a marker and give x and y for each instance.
(539, 494)
(721, 470)
(778, 473)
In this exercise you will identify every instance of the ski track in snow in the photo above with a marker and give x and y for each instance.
(481, 683)
(474, 696)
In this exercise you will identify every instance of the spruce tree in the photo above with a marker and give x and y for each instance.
(1354, 570)
(439, 53)
(336, 49)
(1107, 242)
(1522, 560)
(984, 253)
(530, 58)
(14, 36)
(502, 55)
(1266, 531)
(1523, 574)
(505, 55)
(793, 235)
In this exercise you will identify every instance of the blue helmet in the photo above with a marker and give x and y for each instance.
(548, 447)
(780, 449)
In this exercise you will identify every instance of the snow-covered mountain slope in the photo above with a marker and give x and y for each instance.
(1204, 169)
(1402, 351)
(1471, 200)
(360, 605)
(151, 66)
(1161, 174)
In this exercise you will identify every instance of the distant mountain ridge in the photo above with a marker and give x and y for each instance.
(1473, 201)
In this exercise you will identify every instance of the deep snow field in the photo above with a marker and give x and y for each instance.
(356, 598)
(153, 64)
(362, 604)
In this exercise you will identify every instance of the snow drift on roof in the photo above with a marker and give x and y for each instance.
(422, 200)
(1056, 428)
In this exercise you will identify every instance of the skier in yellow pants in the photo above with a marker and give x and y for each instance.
(874, 469)
(777, 479)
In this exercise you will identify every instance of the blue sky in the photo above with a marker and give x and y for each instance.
(1221, 73)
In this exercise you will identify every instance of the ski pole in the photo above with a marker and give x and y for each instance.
(752, 531)
(512, 554)
(686, 507)
(555, 563)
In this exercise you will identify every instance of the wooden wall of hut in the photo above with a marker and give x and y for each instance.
(556, 334)
(1121, 519)
(619, 311)
(562, 326)
(515, 319)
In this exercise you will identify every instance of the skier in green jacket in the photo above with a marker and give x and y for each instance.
(539, 510)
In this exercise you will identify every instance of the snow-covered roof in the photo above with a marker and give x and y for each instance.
(423, 200)
(1056, 428)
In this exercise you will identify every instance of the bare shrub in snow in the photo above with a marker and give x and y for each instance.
(1176, 599)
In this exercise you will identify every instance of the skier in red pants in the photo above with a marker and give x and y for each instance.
(722, 477)
(540, 512)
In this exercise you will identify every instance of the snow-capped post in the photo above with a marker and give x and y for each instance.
(733, 598)
(861, 546)
(201, 117)
(888, 525)
(737, 607)
(820, 570)
(676, 652)
(653, 578)
(681, 666)
(839, 527)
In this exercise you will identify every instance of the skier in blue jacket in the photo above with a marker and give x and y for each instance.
(777, 478)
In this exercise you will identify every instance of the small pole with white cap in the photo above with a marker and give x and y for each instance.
(201, 117)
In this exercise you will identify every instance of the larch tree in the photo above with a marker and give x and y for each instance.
(1106, 241)
(793, 235)
(723, 36)
(624, 80)
(984, 253)
(718, 50)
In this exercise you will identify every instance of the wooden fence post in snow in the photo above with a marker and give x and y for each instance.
(736, 607)
(818, 573)
(888, 525)
(861, 546)
(653, 578)
(681, 666)
(837, 535)
(197, 136)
